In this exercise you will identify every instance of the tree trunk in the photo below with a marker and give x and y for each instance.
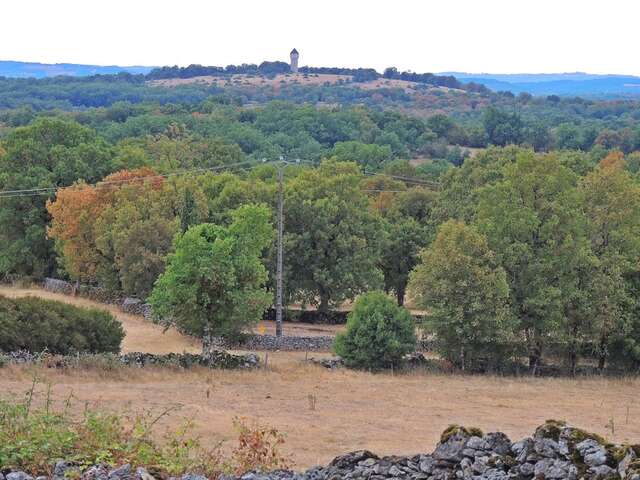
(573, 353)
(534, 358)
(323, 308)
(602, 353)
(400, 293)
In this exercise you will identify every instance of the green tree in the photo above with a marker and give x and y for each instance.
(48, 153)
(408, 226)
(136, 232)
(213, 284)
(535, 225)
(460, 283)
(332, 239)
(502, 128)
(369, 156)
(378, 334)
(612, 207)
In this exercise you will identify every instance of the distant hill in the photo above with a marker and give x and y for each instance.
(564, 84)
(43, 70)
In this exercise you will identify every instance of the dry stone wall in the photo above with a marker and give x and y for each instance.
(556, 451)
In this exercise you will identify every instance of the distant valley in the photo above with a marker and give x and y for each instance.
(44, 70)
(564, 84)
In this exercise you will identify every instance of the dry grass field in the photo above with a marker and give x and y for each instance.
(289, 78)
(253, 80)
(325, 413)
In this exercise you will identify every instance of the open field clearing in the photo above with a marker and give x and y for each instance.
(326, 413)
(143, 336)
(253, 80)
(291, 78)
(384, 413)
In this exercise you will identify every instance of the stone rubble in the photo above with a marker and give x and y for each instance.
(213, 359)
(555, 452)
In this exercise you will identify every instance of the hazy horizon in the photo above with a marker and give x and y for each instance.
(494, 36)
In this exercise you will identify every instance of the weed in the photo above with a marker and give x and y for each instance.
(33, 438)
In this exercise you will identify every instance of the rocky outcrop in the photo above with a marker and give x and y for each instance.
(556, 451)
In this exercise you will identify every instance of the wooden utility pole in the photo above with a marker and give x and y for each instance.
(279, 260)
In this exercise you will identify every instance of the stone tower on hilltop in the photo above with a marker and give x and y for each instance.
(294, 60)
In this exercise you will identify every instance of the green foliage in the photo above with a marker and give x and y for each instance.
(465, 292)
(36, 325)
(214, 281)
(502, 128)
(371, 157)
(332, 241)
(534, 223)
(33, 438)
(378, 334)
(409, 228)
(47, 153)
(136, 233)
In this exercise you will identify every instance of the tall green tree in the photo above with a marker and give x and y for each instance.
(612, 206)
(464, 289)
(409, 228)
(136, 234)
(535, 225)
(333, 240)
(213, 284)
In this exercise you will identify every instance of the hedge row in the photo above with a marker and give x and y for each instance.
(36, 325)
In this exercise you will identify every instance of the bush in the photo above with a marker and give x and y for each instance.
(36, 325)
(379, 333)
(33, 438)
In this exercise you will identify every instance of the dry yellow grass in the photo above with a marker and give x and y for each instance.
(256, 81)
(290, 78)
(388, 414)
(143, 336)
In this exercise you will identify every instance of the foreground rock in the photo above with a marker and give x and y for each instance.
(556, 451)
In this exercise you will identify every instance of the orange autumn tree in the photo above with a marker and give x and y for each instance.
(74, 213)
(614, 160)
(382, 191)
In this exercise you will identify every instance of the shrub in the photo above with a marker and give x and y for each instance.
(36, 325)
(379, 333)
(33, 438)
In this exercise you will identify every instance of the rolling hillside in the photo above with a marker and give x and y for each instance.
(565, 84)
(43, 70)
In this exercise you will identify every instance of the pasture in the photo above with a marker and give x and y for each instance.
(326, 413)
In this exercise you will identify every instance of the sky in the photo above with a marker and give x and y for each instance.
(492, 36)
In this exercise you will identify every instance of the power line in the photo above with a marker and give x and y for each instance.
(103, 184)
(45, 191)
(383, 191)
(416, 181)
